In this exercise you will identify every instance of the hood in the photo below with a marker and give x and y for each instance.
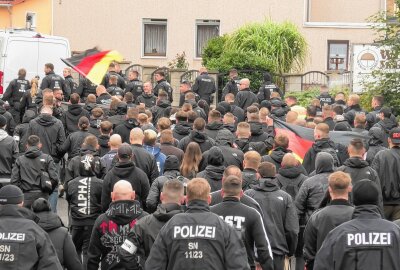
(356, 162)
(122, 108)
(279, 112)
(256, 128)
(366, 211)
(182, 128)
(198, 136)
(103, 140)
(321, 144)
(33, 152)
(75, 109)
(324, 163)
(3, 134)
(90, 106)
(225, 138)
(291, 172)
(267, 184)
(123, 212)
(230, 127)
(46, 120)
(95, 123)
(124, 169)
(165, 212)
(88, 150)
(215, 172)
(377, 136)
(155, 151)
(267, 77)
(164, 103)
(28, 116)
(214, 126)
(131, 123)
(242, 143)
(171, 174)
(387, 124)
(147, 95)
(278, 153)
(49, 221)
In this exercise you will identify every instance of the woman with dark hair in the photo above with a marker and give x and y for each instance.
(215, 169)
(191, 161)
(74, 140)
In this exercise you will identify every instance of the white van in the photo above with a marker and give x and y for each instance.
(29, 50)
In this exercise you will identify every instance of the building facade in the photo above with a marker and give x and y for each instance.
(152, 32)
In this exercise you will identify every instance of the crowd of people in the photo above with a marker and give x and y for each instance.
(153, 186)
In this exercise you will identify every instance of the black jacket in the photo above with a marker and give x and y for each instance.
(110, 231)
(204, 86)
(129, 172)
(276, 156)
(103, 143)
(52, 80)
(135, 87)
(86, 88)
(261, 147)
(325, 99)
(125, 128)
(10, 120)
(27, 103)
(145, 233)
(321, 223)
(217, 249)
(117, 119)
(21, 130)
(290, 179)
(148, 100)
(249, 223)
(145, 161)
(387, 165)
(84, 198)
(34, 249)
(213, 174)
(114, 90)
(318, 146)
(372, 117)
(350, 113)
(28, 167)
(73, 143)
(164, 86)
(249, 178)
(245, 98)
(266, 89)
(9, 153)
(365, 242)
(15, 91)
(329, 121)
(60, 239)
(386, 125)
(181, 130)
(375, 143)
(106, 80)
(232, 86)
(238, 113)
(282, 224)
(104, 99)
(201, 138)
(213, 128)
(162, 109)
(200, 111)
(69, 81)
(51, 132)
(71, 118)
(257, 132)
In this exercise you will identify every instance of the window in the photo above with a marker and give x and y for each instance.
(154, 37)
(205, 30)
(31, 20)
(338, 54)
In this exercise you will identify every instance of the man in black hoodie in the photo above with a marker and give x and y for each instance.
(182, 127)
(27, 171)
(214, 169)
(327, 116)
(22, 129)
(385, 123)
(84, 199)
(353, 108)
(197, 135)
(322, 141)
(245, 97)
(125, 128)
(235, 110)
(282, 224)
(146, 229)
(147, 97)
(162, 108)
(71, 117)
(125, 169)
(214, 124)
(375, 143)
(112, 228)
(10, 119)
(256, 127)
(243, 142)
(190, 98)
(9, 151)
(281, 144)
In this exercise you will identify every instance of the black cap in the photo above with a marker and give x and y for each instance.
(3, 121)
(11, 194)
(41, 205)
(365, 192)
(171, 163)
(125, 151)
(394, 135)
(276, 102)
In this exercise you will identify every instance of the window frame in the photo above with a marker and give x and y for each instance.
(208, 22)
(154, 21)
(334, 41)
(34, 19)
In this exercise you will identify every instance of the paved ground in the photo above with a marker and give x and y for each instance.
(62, 210)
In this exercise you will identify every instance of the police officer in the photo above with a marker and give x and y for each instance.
(53, 81)
(69, 81)
(14, 92)
(23, 244)
(197, 239)
(85, 88)
(163, 85)
(135, 86)
(267, 88)
(246, 220)
(232, 86)
(365, 242)
(324, 97)
(204, 86)
(112, 70)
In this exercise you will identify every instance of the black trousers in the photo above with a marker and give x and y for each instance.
(81, 238)
(279, 262)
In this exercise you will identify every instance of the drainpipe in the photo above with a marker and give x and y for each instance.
(9, 8)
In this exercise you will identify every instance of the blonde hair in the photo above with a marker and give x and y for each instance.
(198, 189)
(34, 87)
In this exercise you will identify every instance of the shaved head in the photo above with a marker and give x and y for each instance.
(289, 160)
(136, 136)
(122, 191)
(115, 141)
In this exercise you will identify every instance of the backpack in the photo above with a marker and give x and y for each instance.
(334, 153)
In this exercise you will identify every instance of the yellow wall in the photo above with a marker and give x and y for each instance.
(42, 8)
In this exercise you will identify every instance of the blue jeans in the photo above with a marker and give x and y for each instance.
(53, 199)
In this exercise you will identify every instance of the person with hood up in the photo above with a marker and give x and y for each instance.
(256, 127)
(214, 170)
(197, 135)
(322, 141)
(367, 241)
(162, 107)
(225, 142)
(21, 130)
(112, 228)
(313, 190)
(146, 229)
(214, 124)
(120, 114)
(267, 88)
(245, 98)
(281, 144)
(243, 143)
(104, 138)
(71, 117)
(95, 120)
(58, 233)
(375, 143)
(171, 171)
(282, 223)
(182, 127)
(147, 97)
(130, 122)
(385, 123)
(84, 199)
(149, 143)
(28, 168)
(73, 143)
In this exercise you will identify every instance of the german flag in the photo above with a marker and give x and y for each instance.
(92, 63)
